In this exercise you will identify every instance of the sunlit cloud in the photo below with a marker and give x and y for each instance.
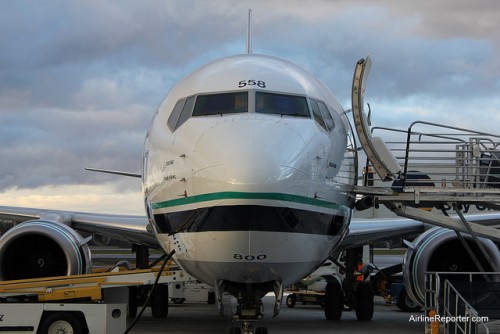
(84, 198)
(81, 80)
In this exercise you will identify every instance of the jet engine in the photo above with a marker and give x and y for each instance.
(42, 248)
(440, 250)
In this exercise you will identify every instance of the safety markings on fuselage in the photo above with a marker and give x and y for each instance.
(234, 195)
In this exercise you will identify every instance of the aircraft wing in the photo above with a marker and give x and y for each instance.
(135, 229)
(366, 231)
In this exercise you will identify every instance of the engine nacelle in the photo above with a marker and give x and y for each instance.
(440, 249)
(41, 248)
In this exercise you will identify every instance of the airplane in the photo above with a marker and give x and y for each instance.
(249, 169)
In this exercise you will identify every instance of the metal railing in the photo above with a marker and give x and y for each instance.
(446, 307)
(460, 316)
(439, 156)
(432, 291)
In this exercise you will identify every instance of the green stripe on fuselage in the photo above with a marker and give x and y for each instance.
(244, 195)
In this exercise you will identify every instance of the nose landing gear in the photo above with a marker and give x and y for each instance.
(250, 308)
(246, 328)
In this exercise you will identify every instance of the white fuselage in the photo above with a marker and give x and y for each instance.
(243, 188)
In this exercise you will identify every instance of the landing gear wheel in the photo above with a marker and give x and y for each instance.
(211, 298)
(261, 330)
(61, 323)
(291, 300)
(406, 304)
(159, 301)
(178, 300)
(132, 302)
(234, 330)
(364, 298)
(334, 301)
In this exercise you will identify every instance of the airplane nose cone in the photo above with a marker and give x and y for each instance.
(249, 155)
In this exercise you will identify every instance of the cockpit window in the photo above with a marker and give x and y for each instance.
(330, 123)
(322, 114)
(219, 104)
(280, 104)
(317, 114)
(176, 113)
(180, 113)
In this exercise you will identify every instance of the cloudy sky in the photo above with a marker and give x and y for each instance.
(80, 80)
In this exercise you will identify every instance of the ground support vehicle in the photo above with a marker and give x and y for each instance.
(191, 291)
(89, 303)
(305, 297)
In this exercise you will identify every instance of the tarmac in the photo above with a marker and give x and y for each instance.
(200, 317)
(203, 318)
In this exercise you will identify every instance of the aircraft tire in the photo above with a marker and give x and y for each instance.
(234, 330)
(178, 300)
(132, 302)
(159, 301)
(364, 296)
(261, 330)
(211, 298)
(334, 300)
(291, 300)
(405, 303)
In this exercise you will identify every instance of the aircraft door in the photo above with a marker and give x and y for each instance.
(380, 156)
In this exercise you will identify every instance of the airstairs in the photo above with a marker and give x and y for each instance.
(442, 167)
(422, 173)
(428, 168)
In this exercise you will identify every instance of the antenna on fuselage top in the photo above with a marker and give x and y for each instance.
(249, 32)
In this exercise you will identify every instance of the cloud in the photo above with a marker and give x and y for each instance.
(81, 80)
(104, 198)
(52, 146)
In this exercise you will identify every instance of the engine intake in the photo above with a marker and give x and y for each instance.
(440, 250)
(41, 248)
